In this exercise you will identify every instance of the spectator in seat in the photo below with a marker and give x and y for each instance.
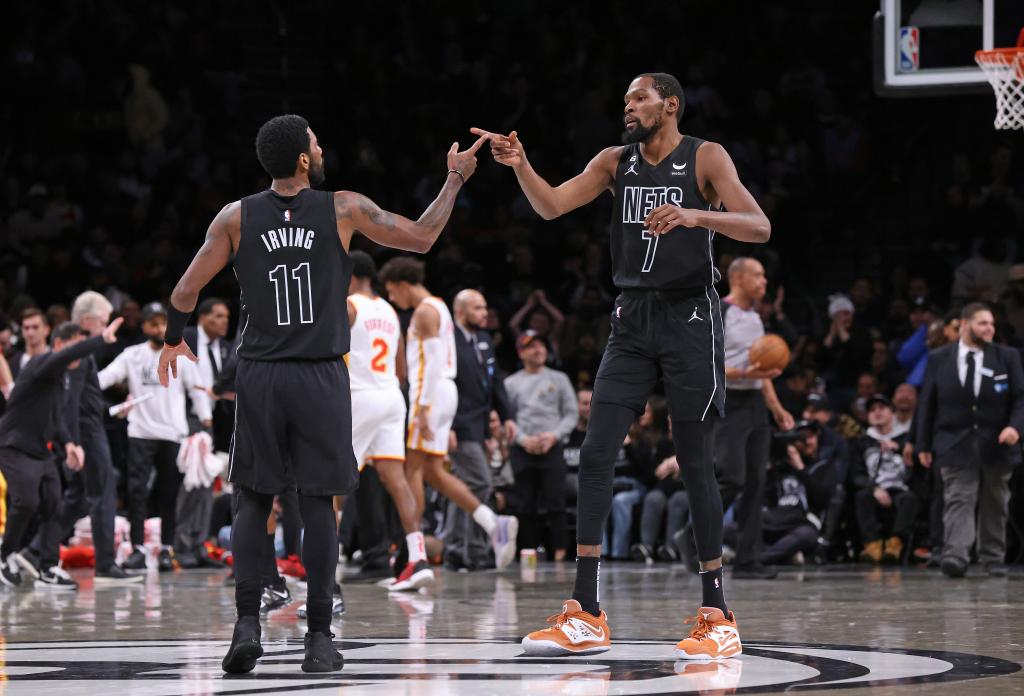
(885, 505)
(799, 490)
(665, 505)
(648, 444)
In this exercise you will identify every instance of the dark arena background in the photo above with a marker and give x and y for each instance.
(862, 129)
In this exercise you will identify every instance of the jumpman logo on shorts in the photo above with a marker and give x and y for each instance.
(694, 316)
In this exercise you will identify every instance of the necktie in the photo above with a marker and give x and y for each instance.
(969, 380)
(476, 349)
(213, 361)
(479, 359)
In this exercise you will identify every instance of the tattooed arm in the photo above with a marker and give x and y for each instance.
(357, 213)
(211, 258)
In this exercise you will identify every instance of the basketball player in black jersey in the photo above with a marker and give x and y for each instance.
(669, 193)
(293, 427)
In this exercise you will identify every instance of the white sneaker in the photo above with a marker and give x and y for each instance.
(504, 541)
(56, 579)
(10, 571)
(337, 607)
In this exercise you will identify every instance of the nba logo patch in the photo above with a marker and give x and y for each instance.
(287, 216)
(910, 49)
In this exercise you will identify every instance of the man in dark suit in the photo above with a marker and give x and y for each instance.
(970, 419)
(209, 343)
(480, 391)
(216, 356)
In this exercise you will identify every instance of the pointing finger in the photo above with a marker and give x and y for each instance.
(480, 141)
(480, 131)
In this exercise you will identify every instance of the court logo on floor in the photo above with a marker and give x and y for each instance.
(462, 666)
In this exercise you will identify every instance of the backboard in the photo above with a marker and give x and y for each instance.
(926, 47)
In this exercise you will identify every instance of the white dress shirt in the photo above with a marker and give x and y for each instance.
(961, 365)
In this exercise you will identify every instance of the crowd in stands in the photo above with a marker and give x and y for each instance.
(888, 219)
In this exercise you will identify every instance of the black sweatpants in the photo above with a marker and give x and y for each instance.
(540, 485)
(742, 441)
(143, 457)
(93, 491)
(319, 553)
(33, 486)
(676, 335)
(898, 519)
(783, 544)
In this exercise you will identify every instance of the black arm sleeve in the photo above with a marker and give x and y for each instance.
(53, 362)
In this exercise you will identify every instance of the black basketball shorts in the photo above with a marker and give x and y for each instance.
(676, 335)
(293, 427)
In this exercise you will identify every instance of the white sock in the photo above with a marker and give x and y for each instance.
(485, 517)
(417, 550)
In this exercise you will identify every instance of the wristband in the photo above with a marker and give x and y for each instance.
(456, 171)
(176, 321)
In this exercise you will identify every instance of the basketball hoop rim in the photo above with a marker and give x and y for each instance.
(999, 56)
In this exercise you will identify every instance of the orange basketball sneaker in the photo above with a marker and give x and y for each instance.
(573, 632)
(714, 637)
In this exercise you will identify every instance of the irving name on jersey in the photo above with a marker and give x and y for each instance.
(288, 237)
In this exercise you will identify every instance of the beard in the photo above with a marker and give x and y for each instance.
(155, 341)
(316, 174)
(641, 133)
(976, 339)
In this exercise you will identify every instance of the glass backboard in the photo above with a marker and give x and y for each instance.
(926, 47)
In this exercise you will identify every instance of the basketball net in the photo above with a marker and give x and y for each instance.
(1004, 68)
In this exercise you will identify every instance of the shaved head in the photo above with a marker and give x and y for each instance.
(467, 297)
(739, 265)
(747, 282)
(470, 309)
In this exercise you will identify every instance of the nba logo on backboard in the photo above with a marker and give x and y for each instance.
(910, 49)
(287, 216)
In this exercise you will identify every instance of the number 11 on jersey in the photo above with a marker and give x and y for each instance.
(301, 275)
(652, 249)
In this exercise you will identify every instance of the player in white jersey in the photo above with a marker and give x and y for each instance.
(375, 365)
(433, 399)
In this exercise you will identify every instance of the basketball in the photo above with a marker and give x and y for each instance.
(770, 352)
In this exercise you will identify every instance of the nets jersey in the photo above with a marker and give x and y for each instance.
(684, 257)
(375, 334)
(293, 274)
(414, 347)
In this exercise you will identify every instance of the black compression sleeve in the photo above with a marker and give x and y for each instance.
(176, 321)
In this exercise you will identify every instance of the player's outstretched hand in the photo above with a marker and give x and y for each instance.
(169, 359)
(464, 162)
(110, 333)
(669, 216)
(507, 149)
